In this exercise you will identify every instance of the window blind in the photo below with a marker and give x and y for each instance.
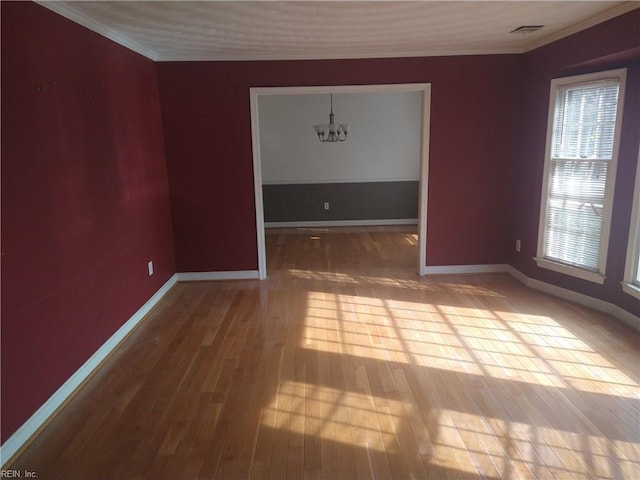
(581, 153)
(584, 123)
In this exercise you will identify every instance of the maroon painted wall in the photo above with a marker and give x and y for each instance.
(85, 197)
(85, 200)
(613, 44)
(206, 114)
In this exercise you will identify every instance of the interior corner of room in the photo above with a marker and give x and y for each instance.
(124, 174)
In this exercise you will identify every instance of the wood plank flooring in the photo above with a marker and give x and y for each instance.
(345, 364)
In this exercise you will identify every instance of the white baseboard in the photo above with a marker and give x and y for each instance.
(343, 223)
(41, 416)
(15, 442)
(621, 314)
(205, 276)
(464, 269)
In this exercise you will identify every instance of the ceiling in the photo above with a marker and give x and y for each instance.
(271, 30)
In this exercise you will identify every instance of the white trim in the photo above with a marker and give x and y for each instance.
(81, 19)
(578, 27)
(16, 441)
(95, 26)
(320, 89)
(40, 418)
(553, 37)
(257, 184)
(631, 289)
(207, 276)
(621, 314)
(341, 56)
(342, 180)
(465, 269)
(424, 179)
(633, 244)
(342, 223)
(581, 273)
(541, 260)
(517, 274)
(254, 92)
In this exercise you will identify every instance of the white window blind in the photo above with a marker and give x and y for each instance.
(578, 169)
(584, 122)
(574, 215)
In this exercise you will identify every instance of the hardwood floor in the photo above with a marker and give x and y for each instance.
(345, 364)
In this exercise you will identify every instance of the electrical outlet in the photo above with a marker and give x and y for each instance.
(150, 267)
(518, 245)
(326, 205)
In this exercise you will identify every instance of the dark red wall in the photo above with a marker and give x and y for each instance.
(613, 44)
(85, 200)
(206, 115)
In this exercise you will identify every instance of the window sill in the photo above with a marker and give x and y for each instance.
(631, 289)
(590, 276)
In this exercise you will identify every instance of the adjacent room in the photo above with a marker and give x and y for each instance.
(314, 184)
(320, 240)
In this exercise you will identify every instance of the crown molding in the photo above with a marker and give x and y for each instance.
(97, 27)
(334, 56)
(578, 27)
(63, 9)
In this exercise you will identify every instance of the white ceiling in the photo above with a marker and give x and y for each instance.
(270, 30)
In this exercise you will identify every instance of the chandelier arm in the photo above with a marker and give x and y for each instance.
(332, 132)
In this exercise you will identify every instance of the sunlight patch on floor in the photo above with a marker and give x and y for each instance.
(392, 282)
(470, 340)
(359, 420)
(456, 440)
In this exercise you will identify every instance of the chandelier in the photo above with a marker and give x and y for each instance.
(332, 132)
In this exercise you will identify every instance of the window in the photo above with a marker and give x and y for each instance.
(583, 133)
(631, 283)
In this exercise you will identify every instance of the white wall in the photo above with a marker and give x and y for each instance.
(383, 145)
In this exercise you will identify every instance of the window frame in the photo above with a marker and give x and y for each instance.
(631, 284)
(596, 78)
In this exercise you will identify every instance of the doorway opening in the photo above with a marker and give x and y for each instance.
(256, 93)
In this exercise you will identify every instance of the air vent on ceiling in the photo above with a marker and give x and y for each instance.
(527, 29)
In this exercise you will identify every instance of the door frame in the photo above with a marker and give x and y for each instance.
(256, 92)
